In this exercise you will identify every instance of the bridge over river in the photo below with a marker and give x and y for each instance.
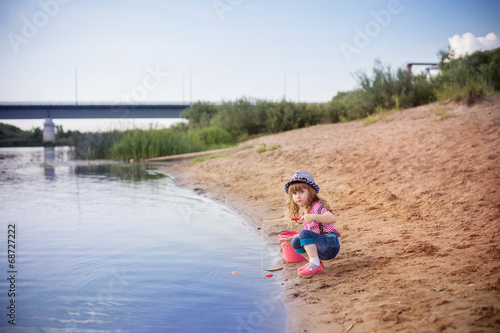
(49, 111)
(95, 111)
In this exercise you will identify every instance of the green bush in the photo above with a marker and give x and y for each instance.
(249, 118)
(12, 136)
(9, 131)
(286, 115)
(214, 136)
(389, 90)
(468, 78)
(240, 117)
(347, 106)
(200, 114)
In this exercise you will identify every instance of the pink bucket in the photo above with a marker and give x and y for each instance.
(289, 253)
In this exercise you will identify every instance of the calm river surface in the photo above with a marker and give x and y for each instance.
(106, 247)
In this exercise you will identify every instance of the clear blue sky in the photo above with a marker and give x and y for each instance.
(232, 48)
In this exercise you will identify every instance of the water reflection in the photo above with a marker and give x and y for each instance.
(118, 171)
(49, 158)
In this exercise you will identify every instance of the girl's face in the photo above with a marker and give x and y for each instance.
(301, 196)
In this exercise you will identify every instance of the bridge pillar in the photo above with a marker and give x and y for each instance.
(49, 134)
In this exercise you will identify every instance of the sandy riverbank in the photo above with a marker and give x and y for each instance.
(417, 199)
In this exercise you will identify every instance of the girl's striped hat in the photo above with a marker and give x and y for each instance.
(302, 177)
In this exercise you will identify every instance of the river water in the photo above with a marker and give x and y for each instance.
(112, 247)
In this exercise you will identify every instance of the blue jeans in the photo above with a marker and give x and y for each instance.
(328, 245)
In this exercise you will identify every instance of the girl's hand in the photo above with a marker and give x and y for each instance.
(326, 217)
(307, 218)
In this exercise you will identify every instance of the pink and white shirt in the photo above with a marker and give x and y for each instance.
(314, 226)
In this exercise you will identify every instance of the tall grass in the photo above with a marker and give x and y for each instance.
(94, 145)
(152, 143)
(139, 143)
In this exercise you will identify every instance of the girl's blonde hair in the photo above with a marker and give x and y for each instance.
(293, 209)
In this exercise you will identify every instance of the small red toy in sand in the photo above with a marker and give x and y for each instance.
(269, 276)
(234, 272)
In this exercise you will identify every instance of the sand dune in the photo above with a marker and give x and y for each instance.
(417, 199)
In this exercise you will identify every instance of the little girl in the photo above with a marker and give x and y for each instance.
(319, 239)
